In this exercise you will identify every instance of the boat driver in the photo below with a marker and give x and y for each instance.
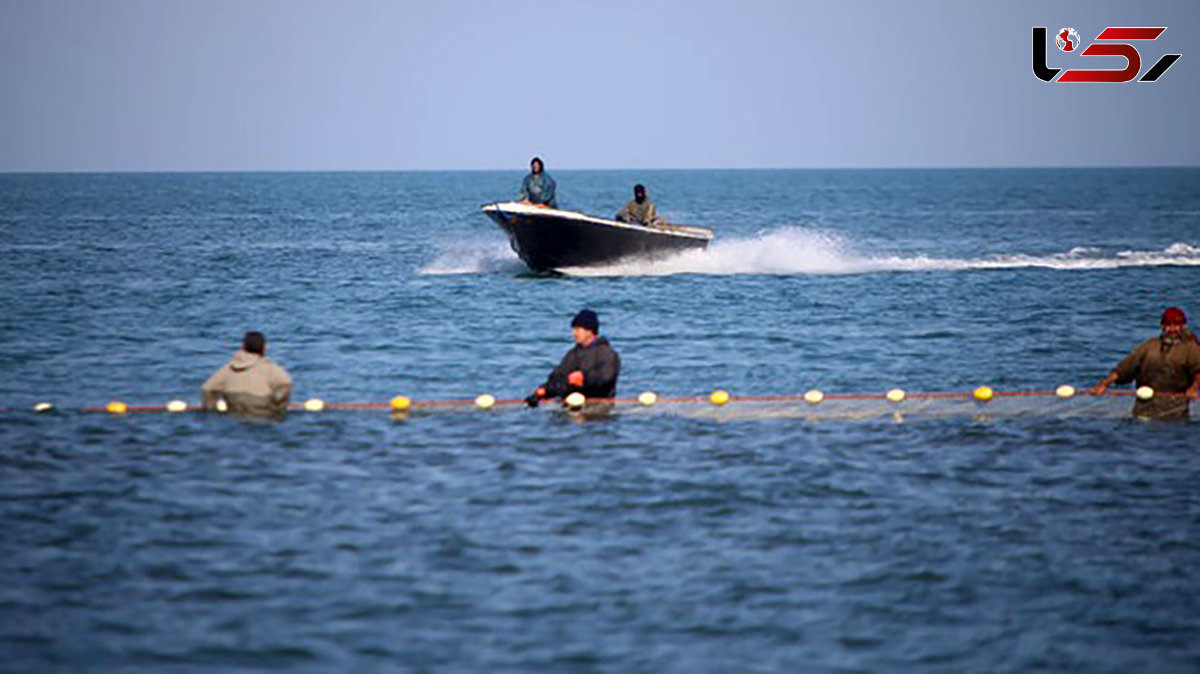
(640, 210)
(538, 186)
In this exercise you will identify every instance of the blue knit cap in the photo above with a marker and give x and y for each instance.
(586, 319)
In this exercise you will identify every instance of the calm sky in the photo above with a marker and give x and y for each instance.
(183, 85)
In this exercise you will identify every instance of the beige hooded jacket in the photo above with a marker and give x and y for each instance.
(251, 385)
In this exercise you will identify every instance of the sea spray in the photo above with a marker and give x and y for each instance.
(794, 250)
(798, 250)
(474, 256)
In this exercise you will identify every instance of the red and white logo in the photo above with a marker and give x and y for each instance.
(1112, 41)
(1067, 39)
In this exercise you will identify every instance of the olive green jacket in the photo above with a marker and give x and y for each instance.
(1166, 369)
(635, 212)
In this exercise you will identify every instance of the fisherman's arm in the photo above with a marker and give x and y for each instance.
(1194, 390)
(523, 197)
(624, 214)
(1102, 387)
(212, 388)
(1125, 371)
(556, 383)
(281, 388)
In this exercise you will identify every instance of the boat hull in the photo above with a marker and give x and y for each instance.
(549, 239)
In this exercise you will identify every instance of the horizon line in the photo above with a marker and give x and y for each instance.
(613, 169)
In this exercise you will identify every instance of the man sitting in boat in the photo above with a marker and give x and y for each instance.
(640, 210)
(591, 367)
(538, 186)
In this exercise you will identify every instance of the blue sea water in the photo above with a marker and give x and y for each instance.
(1036, 535)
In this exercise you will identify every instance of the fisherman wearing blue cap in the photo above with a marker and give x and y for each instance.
(590, 368)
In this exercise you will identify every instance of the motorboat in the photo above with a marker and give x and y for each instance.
(551, 239)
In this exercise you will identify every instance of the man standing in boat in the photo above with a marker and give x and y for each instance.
(640, 210)
(1169, 364)
(538, 187)
(590, 368)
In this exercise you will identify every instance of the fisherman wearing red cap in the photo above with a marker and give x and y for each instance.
(1169, 364)
(590, 368)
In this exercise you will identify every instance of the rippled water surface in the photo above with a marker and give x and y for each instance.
(1030, 535)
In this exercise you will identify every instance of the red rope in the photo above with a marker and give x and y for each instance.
(471, 402)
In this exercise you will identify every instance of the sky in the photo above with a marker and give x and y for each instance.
(232, 85)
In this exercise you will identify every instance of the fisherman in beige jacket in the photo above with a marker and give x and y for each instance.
(249, 383)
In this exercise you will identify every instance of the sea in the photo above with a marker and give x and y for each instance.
(1028, 534)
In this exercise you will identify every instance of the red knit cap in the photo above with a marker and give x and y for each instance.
(1174, 316)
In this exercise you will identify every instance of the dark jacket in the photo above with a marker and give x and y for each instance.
(600, 365)
(1166, 369)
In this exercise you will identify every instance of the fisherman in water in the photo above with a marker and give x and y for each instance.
(590, 368)
(250, 384)
(538, 186)
(1169, 364)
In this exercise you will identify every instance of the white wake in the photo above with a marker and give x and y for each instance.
(794, 250)
(473, 257)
